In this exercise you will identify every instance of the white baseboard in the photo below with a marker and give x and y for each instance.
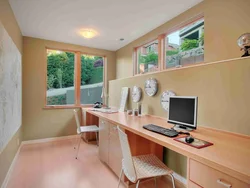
(48, 139)
(7, 177)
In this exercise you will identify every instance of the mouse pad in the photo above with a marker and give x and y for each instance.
(197, 143)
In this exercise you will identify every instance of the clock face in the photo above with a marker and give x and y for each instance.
(165, 99)
(151, 87)
(136, 94)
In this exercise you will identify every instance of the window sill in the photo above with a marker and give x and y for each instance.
(51, 107)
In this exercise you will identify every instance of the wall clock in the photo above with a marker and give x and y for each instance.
(151, 87)
(136, 94)
(165, 99)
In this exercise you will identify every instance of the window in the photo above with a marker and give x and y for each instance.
(185, 46)
(73, 78)
(60, 77)
(91, 79)
(147, 58)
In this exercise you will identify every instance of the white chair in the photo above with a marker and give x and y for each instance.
(84, 129)
(136, 168)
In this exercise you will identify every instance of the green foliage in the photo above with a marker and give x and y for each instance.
(60, 69)
(65, 62)
(56, 100)
(172, 52)
(87, 68)
(189, 44)
(97, 76)
(50, 81)
(201, 39)
(59, 74)
(150, 58)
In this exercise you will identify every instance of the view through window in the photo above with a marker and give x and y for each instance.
(185, 46)
(91, 79)
(61, 75)
(147, 57)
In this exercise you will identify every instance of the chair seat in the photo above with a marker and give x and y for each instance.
(148, 166)
(89, 128)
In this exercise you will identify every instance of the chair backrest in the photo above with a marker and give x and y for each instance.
(128, 164)
(77, 122)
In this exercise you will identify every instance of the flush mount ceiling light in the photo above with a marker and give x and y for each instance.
(88, 33)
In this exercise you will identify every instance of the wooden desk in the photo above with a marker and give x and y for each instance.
(229, 157)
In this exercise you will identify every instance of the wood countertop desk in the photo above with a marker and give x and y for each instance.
(230, 153)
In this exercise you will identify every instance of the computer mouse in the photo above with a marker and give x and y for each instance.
(189, 139)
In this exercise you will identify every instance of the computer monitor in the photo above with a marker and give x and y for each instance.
(183, 112)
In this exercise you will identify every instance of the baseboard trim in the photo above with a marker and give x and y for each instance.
(7, 177)
(44, 140)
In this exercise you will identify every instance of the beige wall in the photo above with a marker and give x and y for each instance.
(223, 89)
(225, 21)
(9, 22)
(43, 123)
(223, 97)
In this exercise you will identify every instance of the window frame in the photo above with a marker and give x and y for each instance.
(77, 79)
(176, 28)
(135, 57)
(161, 47)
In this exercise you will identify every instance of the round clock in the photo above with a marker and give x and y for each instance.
(136, 94)
(151, 87)
(165, 99)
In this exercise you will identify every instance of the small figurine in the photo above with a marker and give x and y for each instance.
(244, 44)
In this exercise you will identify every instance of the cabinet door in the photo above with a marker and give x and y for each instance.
(115, 153)
(103, 140)
(208, 177)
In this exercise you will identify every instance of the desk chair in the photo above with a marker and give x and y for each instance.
(84, 129)
(140, 167)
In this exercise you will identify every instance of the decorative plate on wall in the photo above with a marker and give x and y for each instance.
(136, 94)
(165, 99)
(151, 87)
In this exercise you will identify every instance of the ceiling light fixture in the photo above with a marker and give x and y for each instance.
(88, 33)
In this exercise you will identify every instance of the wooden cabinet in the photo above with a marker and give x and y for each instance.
(193, 185)
(115, 153)
(109, 146)
(103, 141)
(207, 177)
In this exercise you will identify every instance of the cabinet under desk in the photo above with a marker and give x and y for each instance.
(225, 164)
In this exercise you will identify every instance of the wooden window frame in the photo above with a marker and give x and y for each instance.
(176, 28)
(135, 57)
(77, 79)
(161, 47)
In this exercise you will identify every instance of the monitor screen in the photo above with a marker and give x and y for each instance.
(183, 111)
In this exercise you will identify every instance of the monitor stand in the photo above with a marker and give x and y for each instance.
(182, 128)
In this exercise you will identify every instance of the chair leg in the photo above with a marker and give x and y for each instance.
(172, 177)
(137, 185)
(120, 177)
(97, 140)
(155, 182)
(76, 141)
(79, 143)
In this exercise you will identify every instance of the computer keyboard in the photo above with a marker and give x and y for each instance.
(161, 130)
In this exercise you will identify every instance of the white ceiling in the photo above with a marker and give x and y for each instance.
(60, 20)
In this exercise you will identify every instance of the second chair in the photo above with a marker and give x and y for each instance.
(84, 129)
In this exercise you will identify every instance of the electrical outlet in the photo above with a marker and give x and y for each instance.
(18, 141)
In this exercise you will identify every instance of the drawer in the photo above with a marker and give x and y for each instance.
(210, 178)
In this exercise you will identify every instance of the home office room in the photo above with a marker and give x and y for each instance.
(124, 94)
